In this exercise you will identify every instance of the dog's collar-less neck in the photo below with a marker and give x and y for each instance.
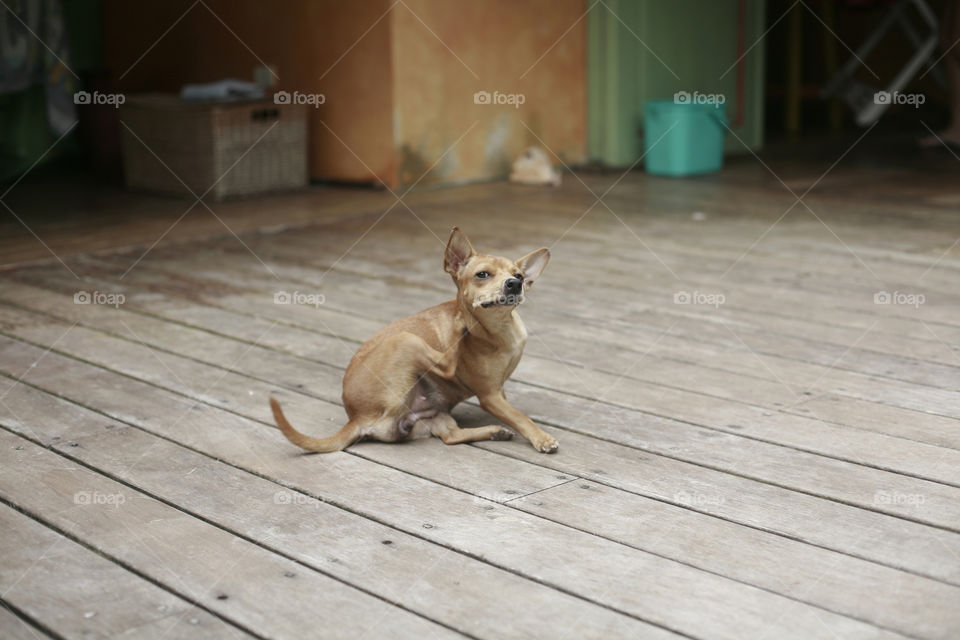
(475, 328)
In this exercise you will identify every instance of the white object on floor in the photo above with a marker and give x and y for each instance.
(533, 167)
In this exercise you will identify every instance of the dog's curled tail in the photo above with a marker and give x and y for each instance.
(337, 442)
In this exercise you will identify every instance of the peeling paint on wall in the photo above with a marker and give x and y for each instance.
(502, 68)
(497, 148)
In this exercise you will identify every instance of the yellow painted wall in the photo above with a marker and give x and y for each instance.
(446, 51)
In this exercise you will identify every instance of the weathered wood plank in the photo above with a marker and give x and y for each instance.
(16, 628)
(746, 508)
(712, 247)
(831, 525)
(75, 592)
(794, 372)
(237, 579)
(441, 584)
(220, 387)
(772, 305)
(835, 582)
(631, 293)
(745, 455)
(604, 263)
(799, 306)
(883, 418)
(826, 370)
(578, 562)
(830, 478)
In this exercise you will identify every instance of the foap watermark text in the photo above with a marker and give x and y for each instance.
(881, 498)
(699, 298)
(86, 498)
(299, 297)
(311, 99)
(912, 99)
(499, 299)
(512, 99)
(292, 497)
(685, 97)
(99, 297)
(97, 98)
(899, 298)
(693, 499)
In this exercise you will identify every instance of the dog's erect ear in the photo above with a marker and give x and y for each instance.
(459, 251)
(533, 264)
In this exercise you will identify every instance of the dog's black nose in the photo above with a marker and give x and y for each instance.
(513, 286)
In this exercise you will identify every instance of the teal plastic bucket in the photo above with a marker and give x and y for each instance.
(683, 139)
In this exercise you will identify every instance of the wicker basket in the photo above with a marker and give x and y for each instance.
(218, 149)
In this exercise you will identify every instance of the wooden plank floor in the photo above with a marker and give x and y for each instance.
(758, 415)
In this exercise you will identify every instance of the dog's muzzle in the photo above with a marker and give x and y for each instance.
(512, 295)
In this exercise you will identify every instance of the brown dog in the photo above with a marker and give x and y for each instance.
(403, 382)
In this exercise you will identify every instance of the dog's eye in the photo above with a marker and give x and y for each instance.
(482, 275)
(518, 276)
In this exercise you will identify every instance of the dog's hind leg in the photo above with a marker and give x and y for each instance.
(350, 433)
(445, 427)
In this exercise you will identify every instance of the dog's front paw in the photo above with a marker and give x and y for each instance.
(546, 444)
(503, 434)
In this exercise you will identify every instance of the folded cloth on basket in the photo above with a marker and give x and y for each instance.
(228, 89)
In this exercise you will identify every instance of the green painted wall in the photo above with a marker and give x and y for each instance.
(696, 43)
